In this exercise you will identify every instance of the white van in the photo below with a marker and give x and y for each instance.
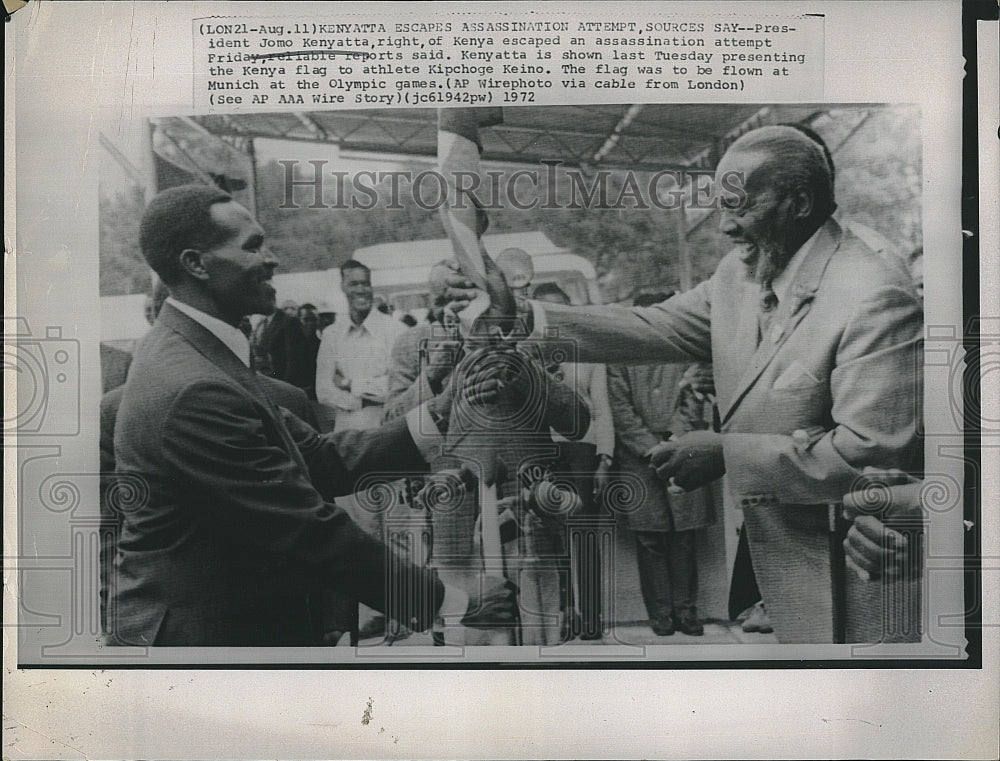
(400, 270)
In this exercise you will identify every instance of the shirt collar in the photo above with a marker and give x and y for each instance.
(786, 277)
(373, 322)
(232, 337)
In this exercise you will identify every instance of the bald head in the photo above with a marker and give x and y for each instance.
(516, 266)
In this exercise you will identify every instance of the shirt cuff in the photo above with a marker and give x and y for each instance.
(539, 320)
(424, 432)
(454, 606)
(538, 325)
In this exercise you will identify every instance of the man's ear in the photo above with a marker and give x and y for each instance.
(802, 203)
(190, 261)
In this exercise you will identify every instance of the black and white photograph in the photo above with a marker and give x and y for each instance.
(459, 362)
(689, 414)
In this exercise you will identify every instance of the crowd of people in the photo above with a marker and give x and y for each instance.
(309, 467)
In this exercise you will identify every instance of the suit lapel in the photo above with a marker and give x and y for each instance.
(745, 343)
(209, 346)
(791, 311)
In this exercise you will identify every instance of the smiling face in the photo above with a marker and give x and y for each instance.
(239, 269)
(357, 286)
(763, 224)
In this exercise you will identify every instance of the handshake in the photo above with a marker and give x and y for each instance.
(494, 374)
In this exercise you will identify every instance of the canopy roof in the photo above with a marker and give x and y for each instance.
(640, 137)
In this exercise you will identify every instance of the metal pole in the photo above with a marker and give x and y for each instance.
(838, 590)
(252, 155)
(684, 252)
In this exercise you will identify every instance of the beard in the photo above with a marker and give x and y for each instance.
(766, 259)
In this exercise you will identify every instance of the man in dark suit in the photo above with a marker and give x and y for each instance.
(309, 320)
(331, 612)
(240, 519)
(649, 406)
(815, 344)
(288, 349)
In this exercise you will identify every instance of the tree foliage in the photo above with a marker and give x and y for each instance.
(878, 182)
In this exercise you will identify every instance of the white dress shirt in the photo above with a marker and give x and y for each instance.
(233, 338)
(360, 353)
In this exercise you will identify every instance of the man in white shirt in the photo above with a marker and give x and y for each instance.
(352, 367)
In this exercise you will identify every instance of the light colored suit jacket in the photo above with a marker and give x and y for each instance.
(843, 360)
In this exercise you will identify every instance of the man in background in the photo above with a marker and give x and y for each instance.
(587, 462)
(352, 377)
(517, 268)
(649, 406)
(424, 356)
(279, 347)
(352, 366)
(309, 320)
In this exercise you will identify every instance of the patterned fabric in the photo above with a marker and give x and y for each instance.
(408, 383)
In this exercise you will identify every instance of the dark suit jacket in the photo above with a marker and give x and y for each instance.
(289, 350)
(326, 604)
(114, 366)
(646, 403)
(239, 517)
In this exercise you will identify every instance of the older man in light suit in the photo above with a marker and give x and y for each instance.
(815, 343)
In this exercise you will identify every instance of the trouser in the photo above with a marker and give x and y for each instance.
(577, 463)
(668, 572)
(743, 589)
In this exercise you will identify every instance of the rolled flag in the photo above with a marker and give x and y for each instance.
(458, 159)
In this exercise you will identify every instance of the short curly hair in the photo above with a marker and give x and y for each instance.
(796, 162)
(177, 219)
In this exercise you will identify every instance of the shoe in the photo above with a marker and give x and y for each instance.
(758, 621)
(396, 632)
(373, 627)
(690, 625)
(331, 638)
(663, 627)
